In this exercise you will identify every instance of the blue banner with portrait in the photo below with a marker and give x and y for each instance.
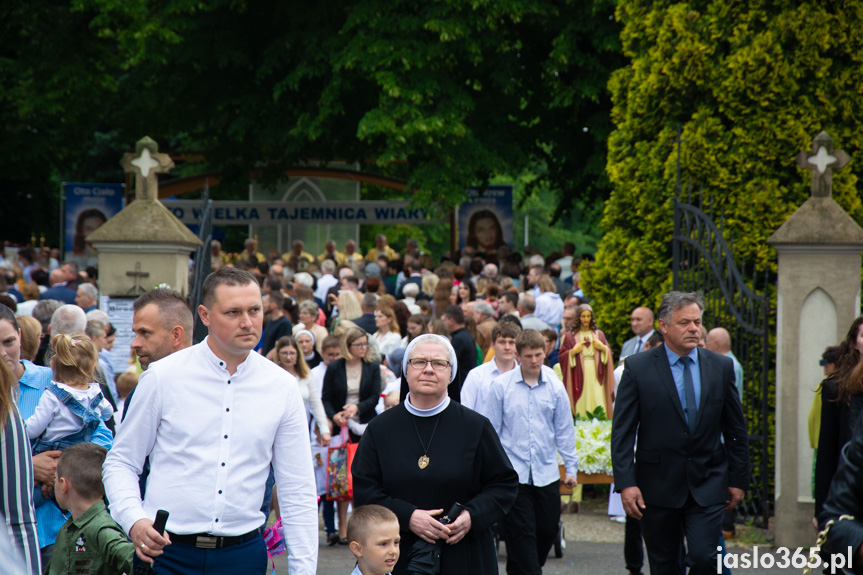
(87, 206)
(485, 221)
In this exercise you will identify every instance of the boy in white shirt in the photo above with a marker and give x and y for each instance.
(478, 380)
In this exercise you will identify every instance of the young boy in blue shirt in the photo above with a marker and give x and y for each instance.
(373, 532)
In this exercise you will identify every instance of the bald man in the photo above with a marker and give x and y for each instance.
(719, 341)
(59, 289)
(298, 253)
(351, 253)
(641, 323)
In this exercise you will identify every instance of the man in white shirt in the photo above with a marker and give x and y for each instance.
(328, 279)
(565, 262)
(530, 410)
(209, 465)
(526, 307)
(162, 324)
(478, 380)
(641, 322)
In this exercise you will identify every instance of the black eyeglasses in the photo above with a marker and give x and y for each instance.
(437, 364)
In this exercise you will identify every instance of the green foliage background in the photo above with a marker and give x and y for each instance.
(751, 84)
(445, 94)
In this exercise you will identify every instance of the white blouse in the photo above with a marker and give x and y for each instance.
(56, 420)
(312, 398)
(387, 342)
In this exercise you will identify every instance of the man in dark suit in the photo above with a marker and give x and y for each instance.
(59, 289)
(464, 346)
(676, 402)
(642, 326)
(416, 277)
(367, 320)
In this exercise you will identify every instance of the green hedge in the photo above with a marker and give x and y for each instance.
(751, 84)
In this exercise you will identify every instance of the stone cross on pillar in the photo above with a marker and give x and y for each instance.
(138, 274)
(145, 163)
(822, 160)
(818, 291)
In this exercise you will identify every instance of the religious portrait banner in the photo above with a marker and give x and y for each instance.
(87, 206)
(485, 219)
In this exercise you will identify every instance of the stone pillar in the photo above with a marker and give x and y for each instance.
(818, 296)
(145, 244)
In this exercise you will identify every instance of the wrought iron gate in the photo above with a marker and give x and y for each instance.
(704, 262)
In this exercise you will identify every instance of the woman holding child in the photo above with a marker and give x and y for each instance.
(71, 412)
(32, 380)
(424, 455)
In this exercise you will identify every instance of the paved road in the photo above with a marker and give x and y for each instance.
(580, 557)
(594, 546)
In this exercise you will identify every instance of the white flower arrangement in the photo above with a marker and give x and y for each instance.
(593, 445)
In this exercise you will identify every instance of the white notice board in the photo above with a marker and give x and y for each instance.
(120, 312)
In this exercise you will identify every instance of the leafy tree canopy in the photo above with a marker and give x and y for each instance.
(445, 94)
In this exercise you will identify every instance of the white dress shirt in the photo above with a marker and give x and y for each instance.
(531, 422)
(474, 390)
(210, 451)
(324, 284)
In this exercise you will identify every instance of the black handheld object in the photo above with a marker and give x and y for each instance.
(423, 558)
(161, 521)
(453, 514)
(142, 568)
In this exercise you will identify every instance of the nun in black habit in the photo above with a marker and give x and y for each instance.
(428, 453)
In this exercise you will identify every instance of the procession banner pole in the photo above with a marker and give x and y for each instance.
(62, 221)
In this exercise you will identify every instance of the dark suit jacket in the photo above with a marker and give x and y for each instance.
(389, 283)
(61, 293)
(845, 498)
(835, 431)
(335, 390)
(273, 331)
(16, 295)
(670, 462)
(465, 352)
(327, 306)
(367, 322)
(411, 280)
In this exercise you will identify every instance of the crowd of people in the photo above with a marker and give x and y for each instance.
(458, 378)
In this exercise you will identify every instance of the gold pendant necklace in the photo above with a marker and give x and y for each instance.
(424, 460)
